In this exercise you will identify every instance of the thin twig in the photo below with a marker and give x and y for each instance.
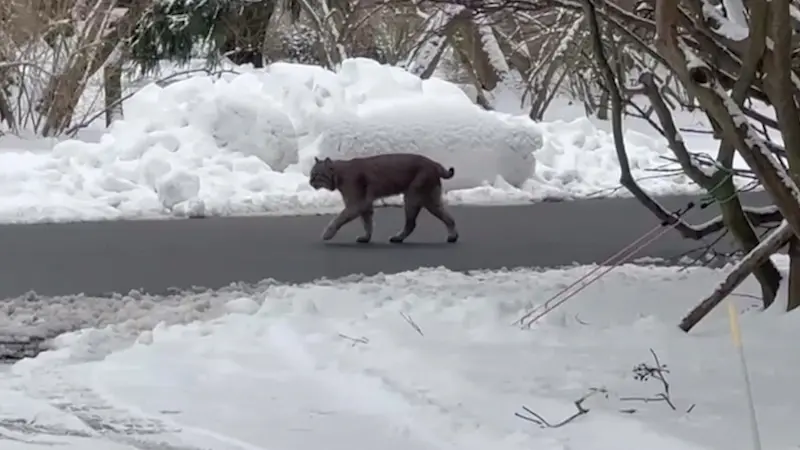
(75, 128)
(537, 418)
(709, 248)
(644, 372)
(354, 341)
(659, 375)
(412, 323)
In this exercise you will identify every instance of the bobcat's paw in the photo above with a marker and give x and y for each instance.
(363, 239)
(452, 238)
(397, 239)
(328, 234)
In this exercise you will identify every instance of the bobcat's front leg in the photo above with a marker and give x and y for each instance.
(330, 231)
(348, 214)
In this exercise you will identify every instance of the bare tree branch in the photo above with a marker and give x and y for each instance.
(536, 418)
(741, 270)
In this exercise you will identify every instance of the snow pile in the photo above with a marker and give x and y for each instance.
(479, 145)
(579, 159)
(390, 110)
(242, 143)
(237, 114)
(291, 113)
(424, 359)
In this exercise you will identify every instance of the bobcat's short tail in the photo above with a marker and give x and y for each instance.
(447, 174)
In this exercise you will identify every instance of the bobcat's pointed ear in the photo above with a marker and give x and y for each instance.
(316, 160)
(328, 159)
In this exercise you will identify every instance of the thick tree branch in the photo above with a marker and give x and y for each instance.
(700, 81)
(747, 75)
(671, 133)
(743, 268)
(720, 186)
(778, 62)
(626, 178)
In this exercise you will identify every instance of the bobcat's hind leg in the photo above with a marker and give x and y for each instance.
(366, 220)
(412, 206)
(435, 206)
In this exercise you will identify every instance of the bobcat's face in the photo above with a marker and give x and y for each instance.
(323, 175)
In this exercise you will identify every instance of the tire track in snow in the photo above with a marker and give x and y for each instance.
(296, 397)
(109, 421)
(447, 422)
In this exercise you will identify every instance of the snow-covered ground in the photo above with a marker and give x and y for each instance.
(242, 143)
(417, 360)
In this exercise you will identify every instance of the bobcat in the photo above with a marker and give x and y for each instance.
(361, 181)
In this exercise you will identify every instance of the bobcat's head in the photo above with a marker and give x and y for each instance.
(323, 174)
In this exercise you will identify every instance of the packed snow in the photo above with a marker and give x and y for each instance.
(242, 142)
(427, 359)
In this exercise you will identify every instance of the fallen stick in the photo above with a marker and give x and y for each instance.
(777, 239)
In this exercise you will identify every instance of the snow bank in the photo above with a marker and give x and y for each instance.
(242, 143)
(374, 109)
(234, 114)
(580, 159)
(480, 145)
(423, 359)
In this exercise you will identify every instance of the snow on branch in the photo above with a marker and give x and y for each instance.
(674, 139)
(756, 142)
(626, 178)
(432, 42)
(733, 125)
(727, 19)
(490, 45)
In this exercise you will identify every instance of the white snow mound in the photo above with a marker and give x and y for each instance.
(480, 145)
(228, 111)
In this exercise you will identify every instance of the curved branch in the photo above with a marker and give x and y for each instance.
(626, 178)
(671, 133)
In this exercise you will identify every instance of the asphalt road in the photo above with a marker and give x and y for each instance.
(98, 258)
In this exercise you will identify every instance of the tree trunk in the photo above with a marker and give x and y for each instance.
(473, 47)
(604, 102)
(6, 114)
(540, 93)
(720, 186)
(794, 275)
(602, 106)
(701, 82)
(240, 57)
(112, 87)
(426, 58)
(246, 32)
(480, 97)
(780, 89)
(736, 222)
(65, 89)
